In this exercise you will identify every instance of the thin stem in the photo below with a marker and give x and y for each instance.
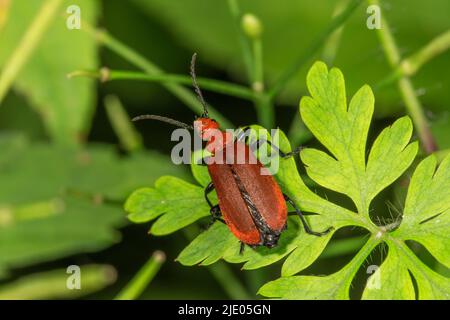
(252, 28)
(129, 138)
(411, 65)
(144, 276)
(101, 75)
(243, 41)
(228, 281)
(405, 85)
(315, 46)
(206, 83)
(186, 96)
(415, 109)
(27, 45)
(264, 106)
(265, 111)
(258, 80)
(332, 44)
(436, 46)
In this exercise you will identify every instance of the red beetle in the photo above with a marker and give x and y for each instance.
(252, 204)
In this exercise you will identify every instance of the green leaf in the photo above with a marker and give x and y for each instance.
(307, 248)
(66, 106)
(200, 172)
(295, 243)
(426, 217)
(428, 194)
(208, 247)
(76, 226)
(434, 236)
(430, 284)
(391, 281)
(332, 287)
(59, 209)
(183, 203)
(343, 131)
(293, 185)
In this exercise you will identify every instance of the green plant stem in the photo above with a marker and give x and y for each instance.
(332, 44)
(228, 281)
(258, 80)
(207, 84)
(129, 138)
(264, 106)
(411, 65)
(315, 46)
(141, 280)
(436, 46)
(186, 96)
(265, 111)
(28, 44)
(253, 59)
(406, 87)
(244, 44)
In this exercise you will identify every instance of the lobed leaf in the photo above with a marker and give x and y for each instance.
(182, 204)
(391, 281)
(343, 130)
(332, 287)
(208, 247)
(426, 217)
(430, 284)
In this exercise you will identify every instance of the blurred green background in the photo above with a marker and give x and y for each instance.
(65, 168)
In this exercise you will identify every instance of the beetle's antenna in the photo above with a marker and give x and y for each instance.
(163, 119)
(197, 87)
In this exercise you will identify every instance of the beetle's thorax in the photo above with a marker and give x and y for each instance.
(208, 130)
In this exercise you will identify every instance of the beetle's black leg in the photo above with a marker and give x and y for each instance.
(215, 209)
(241, 249)
(305, 223)
(294, 213)
(209, 188)
(216, 215)
(242, 135)
(256, 144)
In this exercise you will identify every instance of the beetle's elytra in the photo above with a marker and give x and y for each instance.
(251, 204)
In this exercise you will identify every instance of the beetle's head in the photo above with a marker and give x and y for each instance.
(205, 127)
(270, 240)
